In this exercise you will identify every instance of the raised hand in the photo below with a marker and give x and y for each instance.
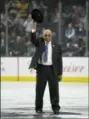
(34, 25)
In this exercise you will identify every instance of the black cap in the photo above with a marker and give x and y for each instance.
(37, 16)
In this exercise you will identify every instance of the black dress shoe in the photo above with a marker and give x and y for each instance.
(40, 111)
(56, 111)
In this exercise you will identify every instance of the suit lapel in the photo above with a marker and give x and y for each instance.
(53, 45)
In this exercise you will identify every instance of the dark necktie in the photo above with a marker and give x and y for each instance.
(46, 53)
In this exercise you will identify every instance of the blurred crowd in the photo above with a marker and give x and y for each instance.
(74, 30)
(73, 27)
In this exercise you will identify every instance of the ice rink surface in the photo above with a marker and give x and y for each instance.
(17, 101)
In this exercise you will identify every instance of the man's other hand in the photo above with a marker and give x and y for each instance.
(59, 78)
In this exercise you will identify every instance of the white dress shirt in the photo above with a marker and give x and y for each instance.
(49, 56)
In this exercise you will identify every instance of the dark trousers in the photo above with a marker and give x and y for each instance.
(44, 74)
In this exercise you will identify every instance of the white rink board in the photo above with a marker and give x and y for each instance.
(9, 66)
(24, 67)
(72, 66)
(75, 67)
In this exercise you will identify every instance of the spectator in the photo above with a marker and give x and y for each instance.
(12, 9)
(18, 26)
(11, 42)
(80, 31)
(27, 25)
(3, 52)
(23, 8)
(19, 47)
(69, 33)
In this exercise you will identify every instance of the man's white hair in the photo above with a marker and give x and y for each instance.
(47, 31)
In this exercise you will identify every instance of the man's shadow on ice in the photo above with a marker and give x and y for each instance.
(29, 112)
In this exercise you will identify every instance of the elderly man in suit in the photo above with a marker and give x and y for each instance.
(47, 61)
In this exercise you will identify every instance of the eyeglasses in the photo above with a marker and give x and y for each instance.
(47, 35)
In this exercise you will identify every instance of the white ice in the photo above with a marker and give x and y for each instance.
(19, 95)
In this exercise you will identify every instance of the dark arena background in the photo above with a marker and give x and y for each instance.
(69, 22)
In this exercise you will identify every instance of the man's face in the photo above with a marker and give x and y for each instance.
(47, 35)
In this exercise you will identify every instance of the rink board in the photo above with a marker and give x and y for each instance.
(32, 78)
(75, 69)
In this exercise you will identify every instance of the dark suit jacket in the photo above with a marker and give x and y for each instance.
(56, 54)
